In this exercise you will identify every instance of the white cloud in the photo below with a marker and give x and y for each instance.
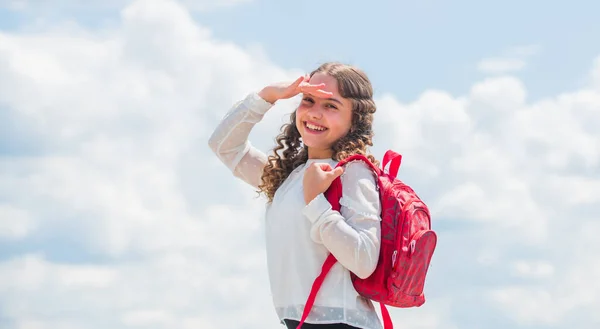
(512, 60)
(596, 73)
(524, 50)
(523, 178)
(113, 127)
(166, 290)
(500, 65)
(573, 294)
(14, 223)
(121, 169)
(538, 269)
(45, 6)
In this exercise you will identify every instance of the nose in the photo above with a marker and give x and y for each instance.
(315, 112)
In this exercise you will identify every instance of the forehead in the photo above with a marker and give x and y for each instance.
(329, 81)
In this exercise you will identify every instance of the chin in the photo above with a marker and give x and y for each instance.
(315, 143)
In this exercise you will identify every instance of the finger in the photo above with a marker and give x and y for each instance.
(316, 90)
(321, 93)
(335, 173)
(308, 86)
(294, 88)
(298, 81)
(325, 166)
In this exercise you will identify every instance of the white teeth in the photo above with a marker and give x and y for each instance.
(313, 127)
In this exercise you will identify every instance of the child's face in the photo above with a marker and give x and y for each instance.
(322, 121)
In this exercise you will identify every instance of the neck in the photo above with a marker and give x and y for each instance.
(319, 153)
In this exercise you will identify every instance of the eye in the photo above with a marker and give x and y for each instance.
(308, 99)
(331, 106)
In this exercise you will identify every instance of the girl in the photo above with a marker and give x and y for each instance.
(332, 122)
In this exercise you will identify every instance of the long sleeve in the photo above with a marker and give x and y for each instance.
(352, 235)
(229, 141)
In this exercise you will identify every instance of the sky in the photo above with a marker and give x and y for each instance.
(114, 213)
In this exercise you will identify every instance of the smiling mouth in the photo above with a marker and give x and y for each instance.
(313, 127)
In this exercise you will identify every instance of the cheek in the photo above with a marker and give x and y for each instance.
(344, 123)
(297, 121)
(300, 110)
(338, 126)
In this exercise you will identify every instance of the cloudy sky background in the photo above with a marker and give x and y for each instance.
(114, 213)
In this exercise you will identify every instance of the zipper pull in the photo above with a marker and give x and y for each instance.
(412, 246)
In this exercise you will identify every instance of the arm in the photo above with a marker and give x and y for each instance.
(352, 235)
(230, 142)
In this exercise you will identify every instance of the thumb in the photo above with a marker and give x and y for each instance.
(335, 173)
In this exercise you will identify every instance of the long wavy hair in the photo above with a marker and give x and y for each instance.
(289, 153)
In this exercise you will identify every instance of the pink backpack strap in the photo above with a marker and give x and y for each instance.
(387, 319)
(361, 158)
(329, 262)
(392, 158)
(327, 265)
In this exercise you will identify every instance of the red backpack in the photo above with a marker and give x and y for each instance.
(407, 243)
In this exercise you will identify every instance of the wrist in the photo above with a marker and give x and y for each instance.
(264, 94)
(309, 197)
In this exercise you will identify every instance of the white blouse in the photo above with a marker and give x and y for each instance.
(299, 237)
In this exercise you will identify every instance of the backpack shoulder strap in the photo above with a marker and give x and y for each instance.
(390, 158)
(361, 158)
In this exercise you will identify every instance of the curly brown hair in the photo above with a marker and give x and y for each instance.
(289, 153)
